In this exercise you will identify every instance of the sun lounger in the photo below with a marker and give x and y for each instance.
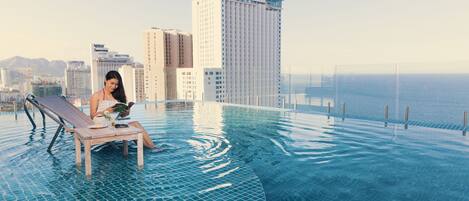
(63, 112)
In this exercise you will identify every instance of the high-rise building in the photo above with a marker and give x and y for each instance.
(4, 78)
(185, 84)
(133, 80)
(77, 80)
(44, 88)
(103, 61)
(139, 82)
(241, 40)
(165, 51)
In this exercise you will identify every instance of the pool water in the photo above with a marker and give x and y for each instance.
(209, 151)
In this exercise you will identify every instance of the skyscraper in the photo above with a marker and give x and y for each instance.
(240, 41)
(133, 79)
(139, 82)
(77, 80)
(4, 78)
(103, 61)
(165, 51)
(185, 84)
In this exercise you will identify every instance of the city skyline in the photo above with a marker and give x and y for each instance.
(359, 32)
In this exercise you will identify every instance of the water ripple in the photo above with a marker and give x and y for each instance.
(211, 151)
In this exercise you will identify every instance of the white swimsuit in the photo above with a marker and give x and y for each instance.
(103, 105)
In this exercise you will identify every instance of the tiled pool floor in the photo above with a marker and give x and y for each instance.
(217, 152)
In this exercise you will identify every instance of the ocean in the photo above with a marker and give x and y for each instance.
(434, 100)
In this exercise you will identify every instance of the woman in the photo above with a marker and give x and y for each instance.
(112, 93)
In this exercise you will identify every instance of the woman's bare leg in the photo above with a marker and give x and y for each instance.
(147, 142)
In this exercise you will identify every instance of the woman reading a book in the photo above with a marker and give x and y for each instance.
(103, 102)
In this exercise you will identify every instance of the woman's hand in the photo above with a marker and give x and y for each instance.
(109, 109)
(125, 113)
(99, 114)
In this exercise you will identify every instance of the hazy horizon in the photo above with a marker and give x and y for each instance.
(315, 34)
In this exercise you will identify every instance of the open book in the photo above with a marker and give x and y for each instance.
(122, 108)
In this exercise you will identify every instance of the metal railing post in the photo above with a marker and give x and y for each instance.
(328, 110)
(14, 108)
(386, 115)
(156, 100)
(343, 112)
(257, 100)
(283, 103)
(296, 101)
(465, 124)
(406, 117)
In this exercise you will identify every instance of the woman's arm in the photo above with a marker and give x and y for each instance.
(93, 106)
(94, 102)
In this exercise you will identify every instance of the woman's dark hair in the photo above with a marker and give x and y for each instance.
(119, 93)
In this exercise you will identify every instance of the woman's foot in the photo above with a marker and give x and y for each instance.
(157, 149)
(147, 141)
(149, 146)
(146, 145)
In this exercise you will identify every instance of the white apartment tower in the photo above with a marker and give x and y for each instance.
(103, 61)
(4, 78)
(139, 83)
(165, 51)
(77, 80)
(239, 40)
(133, 80)
(185, 84)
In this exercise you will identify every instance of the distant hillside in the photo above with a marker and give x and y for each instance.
(40, 66)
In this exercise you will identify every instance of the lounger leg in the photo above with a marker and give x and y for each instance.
(27, 114)
(140, 150)
(88, 158)
(77, 150)
(59, 129)
(126, 148)
(43, 119)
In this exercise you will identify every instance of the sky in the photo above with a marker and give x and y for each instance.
(316, 34)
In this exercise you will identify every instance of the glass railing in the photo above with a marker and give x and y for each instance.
(393, 93)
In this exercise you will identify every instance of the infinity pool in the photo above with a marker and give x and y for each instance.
(219, 152)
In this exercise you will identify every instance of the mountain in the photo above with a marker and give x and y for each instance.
(40, 66)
